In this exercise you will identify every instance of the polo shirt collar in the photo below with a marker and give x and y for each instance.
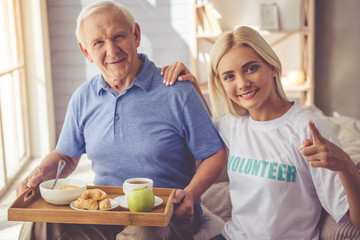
(145, 76)
(102, 85)
(142, 80)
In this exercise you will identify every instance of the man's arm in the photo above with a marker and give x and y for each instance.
(206, 174)
(47, 170)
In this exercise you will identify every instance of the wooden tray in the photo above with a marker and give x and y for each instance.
(31, 207)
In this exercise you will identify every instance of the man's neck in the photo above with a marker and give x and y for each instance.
(120, 85)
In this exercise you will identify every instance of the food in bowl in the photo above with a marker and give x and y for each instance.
(62, 197)
(68, 187)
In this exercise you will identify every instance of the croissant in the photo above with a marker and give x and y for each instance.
(104, 204)
(89, 204)
(95, 194)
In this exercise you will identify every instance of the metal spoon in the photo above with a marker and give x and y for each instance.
(61, 166)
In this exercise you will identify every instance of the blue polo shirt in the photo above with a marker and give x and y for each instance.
(148, 130)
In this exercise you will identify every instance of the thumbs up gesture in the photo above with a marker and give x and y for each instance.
(322, 153)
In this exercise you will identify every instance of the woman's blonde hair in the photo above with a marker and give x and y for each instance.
(242, 36)
(95, 7)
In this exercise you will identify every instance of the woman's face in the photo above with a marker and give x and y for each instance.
(248, 80)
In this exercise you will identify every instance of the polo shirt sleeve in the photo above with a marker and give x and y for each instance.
(71, 140)
(201, 135)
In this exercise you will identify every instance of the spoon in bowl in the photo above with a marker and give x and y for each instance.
(61, 166)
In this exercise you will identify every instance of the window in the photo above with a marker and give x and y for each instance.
(14, 136)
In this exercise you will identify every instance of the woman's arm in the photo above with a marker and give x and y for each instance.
(322, 153)
(178, 71)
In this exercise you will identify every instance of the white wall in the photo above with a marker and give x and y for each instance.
(166, 31)
(165, 34)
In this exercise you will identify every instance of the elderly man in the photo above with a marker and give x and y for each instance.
(130, 125)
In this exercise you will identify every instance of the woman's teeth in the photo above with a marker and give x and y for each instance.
(248, 94)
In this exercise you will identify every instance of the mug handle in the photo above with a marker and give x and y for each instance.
(124, 188)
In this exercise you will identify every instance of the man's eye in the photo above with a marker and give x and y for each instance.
(119, 37)
(97, 43)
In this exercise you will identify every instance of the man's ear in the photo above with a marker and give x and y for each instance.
(85, 52)
(137, 34)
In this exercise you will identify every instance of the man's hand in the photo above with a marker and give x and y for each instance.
(35, 178)
(184, 206)
(47, 170)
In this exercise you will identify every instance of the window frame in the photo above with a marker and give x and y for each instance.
(37, 103)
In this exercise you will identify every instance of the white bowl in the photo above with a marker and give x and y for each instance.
(61, 197)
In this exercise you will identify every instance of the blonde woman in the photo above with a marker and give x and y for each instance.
(282, 169)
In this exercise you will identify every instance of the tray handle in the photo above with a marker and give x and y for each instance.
(26, 197)
(28, 194)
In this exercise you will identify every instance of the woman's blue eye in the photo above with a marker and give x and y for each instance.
(227, 77)
(251, 69)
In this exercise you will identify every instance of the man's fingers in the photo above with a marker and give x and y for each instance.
(184, 213)
(21, 188)
(36, 177)
(185, 210)
(178, 196)
(34, 181)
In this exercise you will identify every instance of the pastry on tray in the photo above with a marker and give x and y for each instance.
(104, 204)
(93, 199)
(89, 204)
(96, 194)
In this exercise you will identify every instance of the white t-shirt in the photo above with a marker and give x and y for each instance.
(275, 194)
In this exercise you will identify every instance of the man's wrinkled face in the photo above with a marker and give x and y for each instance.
(110, 44)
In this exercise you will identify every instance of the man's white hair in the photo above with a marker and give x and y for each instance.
(95, 7)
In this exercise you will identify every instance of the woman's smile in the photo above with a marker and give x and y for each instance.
(249, 94)
(242, 74)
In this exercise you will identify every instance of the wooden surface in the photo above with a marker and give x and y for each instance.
(31, 207)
